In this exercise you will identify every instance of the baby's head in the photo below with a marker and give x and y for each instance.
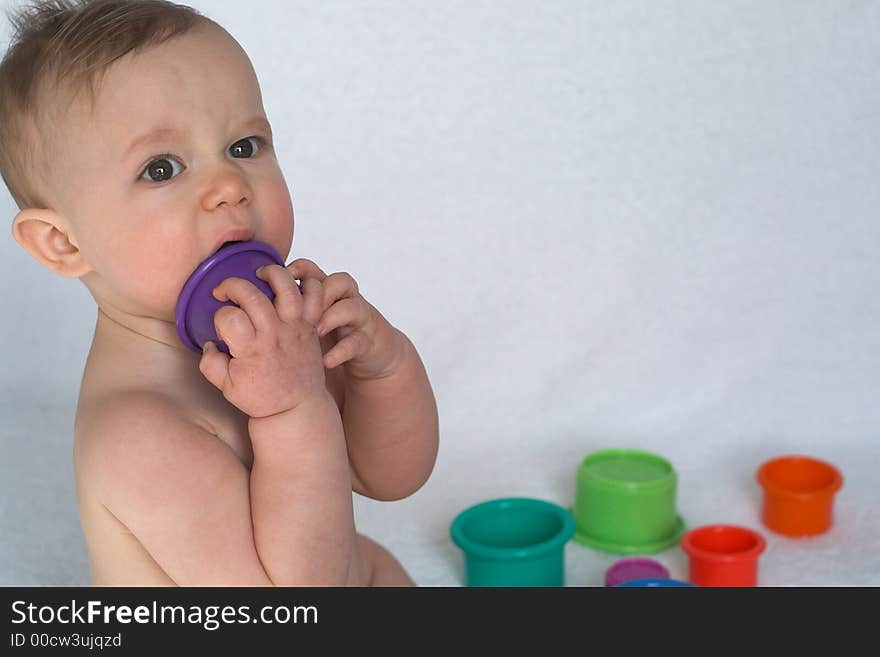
(133, 139)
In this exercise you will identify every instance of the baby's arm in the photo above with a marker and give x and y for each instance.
(391, 424)
(300, 487)
(301, 495)
(388, 408)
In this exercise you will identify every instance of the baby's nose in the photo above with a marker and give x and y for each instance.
(228, 186)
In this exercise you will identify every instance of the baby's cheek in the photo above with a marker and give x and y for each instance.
(277, 219)
(158, 284)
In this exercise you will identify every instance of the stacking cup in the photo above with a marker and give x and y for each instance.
(654, 584)
(635, 568)
(196, 305)
(625, 502)
(513, 542)
(723, 555)
(798, 494)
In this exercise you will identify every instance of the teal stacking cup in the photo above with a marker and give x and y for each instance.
(513, 542)
(625, 502)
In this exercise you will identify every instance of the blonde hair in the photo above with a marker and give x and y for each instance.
(60, 49)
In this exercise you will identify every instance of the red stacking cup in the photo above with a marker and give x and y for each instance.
(723, 555)
(798, 494)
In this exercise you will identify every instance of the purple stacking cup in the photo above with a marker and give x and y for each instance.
(194, 313)
(635, 568)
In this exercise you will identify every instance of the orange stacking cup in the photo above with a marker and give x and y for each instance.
(798, 494)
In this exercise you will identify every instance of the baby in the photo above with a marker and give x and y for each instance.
(136, 144)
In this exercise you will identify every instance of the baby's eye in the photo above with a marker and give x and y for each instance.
(243, 148)
(161, 169)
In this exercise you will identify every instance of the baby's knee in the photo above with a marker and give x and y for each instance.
(380, 566)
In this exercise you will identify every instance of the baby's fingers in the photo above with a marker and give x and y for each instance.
(338, 286)
(347, 312)
(351, 346)
(304, 268)
(234, 327)
(214, 365)
(288, 297)
(313, 300)
(251, 300)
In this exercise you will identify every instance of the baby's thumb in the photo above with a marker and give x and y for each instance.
(214, 364)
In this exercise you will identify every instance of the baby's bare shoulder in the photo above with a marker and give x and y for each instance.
(127, 416)
(180, 490)
(127, 437)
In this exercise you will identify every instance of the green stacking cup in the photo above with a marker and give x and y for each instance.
(625, 502)
(513, 541)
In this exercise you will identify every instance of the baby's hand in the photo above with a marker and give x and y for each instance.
(367, 344)
(276, 359)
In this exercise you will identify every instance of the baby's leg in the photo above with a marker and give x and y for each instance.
(380, 567)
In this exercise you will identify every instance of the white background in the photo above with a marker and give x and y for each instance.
(641, 223)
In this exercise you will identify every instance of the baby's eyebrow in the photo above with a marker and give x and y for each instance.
(162, 132)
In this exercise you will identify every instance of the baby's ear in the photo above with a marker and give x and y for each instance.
(45, 234)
